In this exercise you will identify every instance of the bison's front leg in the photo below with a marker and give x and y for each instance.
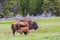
(13, 32)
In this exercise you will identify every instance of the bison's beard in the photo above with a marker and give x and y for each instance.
(33, 26)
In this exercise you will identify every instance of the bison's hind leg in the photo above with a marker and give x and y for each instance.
(13, 32)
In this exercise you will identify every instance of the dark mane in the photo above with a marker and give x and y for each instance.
(33, 26)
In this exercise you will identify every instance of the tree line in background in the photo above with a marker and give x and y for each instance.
(31, 7)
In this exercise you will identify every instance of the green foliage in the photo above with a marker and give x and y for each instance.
(32, 7)
(8, 4)
(52, 5)
(1, 15)
(24, 6)
(35, 7)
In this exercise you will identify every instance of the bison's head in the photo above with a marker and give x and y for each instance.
(33, 26)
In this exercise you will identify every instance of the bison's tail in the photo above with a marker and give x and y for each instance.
(12, 26)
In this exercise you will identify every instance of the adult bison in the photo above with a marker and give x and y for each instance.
(32, 24)
(23, 26)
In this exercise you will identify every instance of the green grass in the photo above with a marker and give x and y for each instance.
(7, 21)
(49, 29)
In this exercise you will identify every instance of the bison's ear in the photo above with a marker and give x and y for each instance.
(35, 25)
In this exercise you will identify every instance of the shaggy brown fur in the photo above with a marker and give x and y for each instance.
(24, 30)
(26, 20)
(21, 27)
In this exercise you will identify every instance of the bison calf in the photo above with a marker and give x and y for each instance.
(24, 30)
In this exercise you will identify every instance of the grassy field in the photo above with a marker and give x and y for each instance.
(49, 29)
